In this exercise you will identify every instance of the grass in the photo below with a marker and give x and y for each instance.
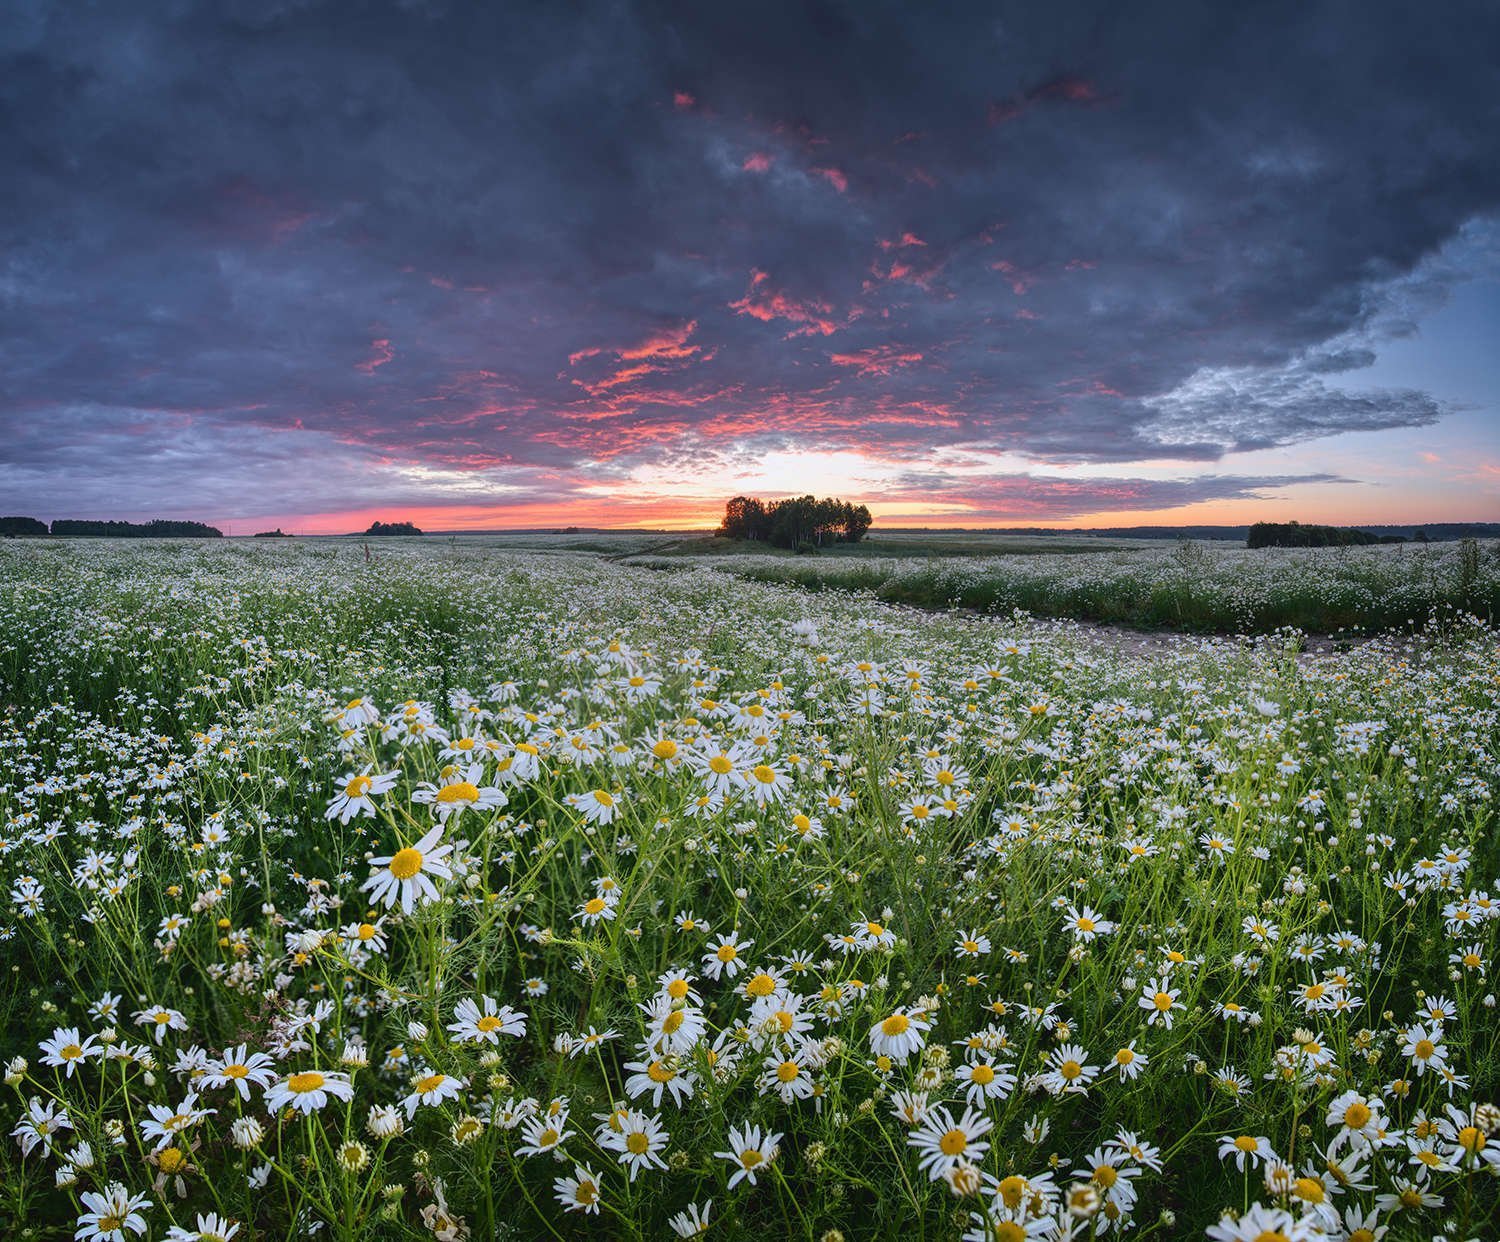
(1194, 587)
(1265, 880)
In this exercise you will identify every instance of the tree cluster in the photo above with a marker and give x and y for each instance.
(1296, 535)
(22, 526)
(392, 528)
(804, 521)
(160, 528)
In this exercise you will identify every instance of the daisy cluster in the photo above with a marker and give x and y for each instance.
(470, 891)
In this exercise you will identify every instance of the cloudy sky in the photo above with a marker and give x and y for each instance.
(304, 263)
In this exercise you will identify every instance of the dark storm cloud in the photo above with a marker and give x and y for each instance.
(519, 240)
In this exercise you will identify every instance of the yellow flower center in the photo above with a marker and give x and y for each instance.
(637, 1144)
(787, 1071)
(236, 1071)
(954, 1143)
(70, 1052)
(594, 905)
(405, 863)
(658, 1072)
(1246, 1144)
(677, 989)
(720, 765)
(1106, 1175)
(487, 1023)
(1309, 1189)
(1471, 1139)
(603, 798)
(764, 773)
(1070, 1070)
(356, 787)
(895, 1025)
(672, 1021)
(171, 1160)
(459, 791)
(761, 985)
(301, 1084)
(1162, 1001)
(366, 931)
(982, 1074)
(665, 749)
(431, 1083)
(1424, 1049)
(1124, 1057)
(1357, 1115)
(727, 953)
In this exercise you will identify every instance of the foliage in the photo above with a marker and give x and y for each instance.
(1259, 880)
(1296, 535)
(795, 523)
(158, 528)
(392, 528)
(22, 526)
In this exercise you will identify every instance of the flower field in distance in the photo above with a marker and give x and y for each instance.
(473, 893)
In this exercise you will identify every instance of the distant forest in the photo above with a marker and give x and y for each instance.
(392, 528)
(158, 529)
(800, 523)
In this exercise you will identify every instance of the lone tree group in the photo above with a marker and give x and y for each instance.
(805, 521)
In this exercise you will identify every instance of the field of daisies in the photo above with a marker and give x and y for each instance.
(458, 893)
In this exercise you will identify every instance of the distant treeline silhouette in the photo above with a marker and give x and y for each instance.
(806, 521)
(158, 529)
(392, 528)
(1296, 535)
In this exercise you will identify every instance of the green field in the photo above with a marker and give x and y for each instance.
(505, 887)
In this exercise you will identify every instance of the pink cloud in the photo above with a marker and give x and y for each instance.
(877, 360)
(834, 177)
(683, 100)
(757, 162)
(383, 353)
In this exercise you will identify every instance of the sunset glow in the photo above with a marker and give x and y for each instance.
(969, 272)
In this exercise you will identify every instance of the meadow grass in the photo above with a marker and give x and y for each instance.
(1192, 586)
(466, 892)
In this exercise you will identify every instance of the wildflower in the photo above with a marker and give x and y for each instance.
(239, 1068)
(107, 1215)
(67, 1050)
(357, 793)
(638, 1141)
(750, 1151)
(309, 1091)
(945, 1142)
(579, 1193)
(485, 1021)
(1159, 1001)
(404, 875)
(899, 1035)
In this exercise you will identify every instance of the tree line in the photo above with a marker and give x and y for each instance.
(160, 528)
(1296, 535)
(800, 522)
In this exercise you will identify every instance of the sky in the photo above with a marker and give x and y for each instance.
(304, 264)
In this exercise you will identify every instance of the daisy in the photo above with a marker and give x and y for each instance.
(1068, 1071)
(983, 1080)
(579, 1193)
(544, 1135)
(899, 1035)
(692, 1221)
(210, 1228)
(308, 1091)
(460, 791)
(239, 1068)
(597, 806)
(789, 1078)
(945, 1143)
(1086, 924)
(166, 1123)
(653, 1077)
(1129, 1062)
(725, 957)
(473, 1024)
(971, 944)
(638, 1140)
(357, 793)
(67, 1050)
(107, 1215)
(432, 1090)
(403, 876)
(161, 1021)
(1159, 1001)
(750, 1151)
(1425, 1049)
(38, 1125)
